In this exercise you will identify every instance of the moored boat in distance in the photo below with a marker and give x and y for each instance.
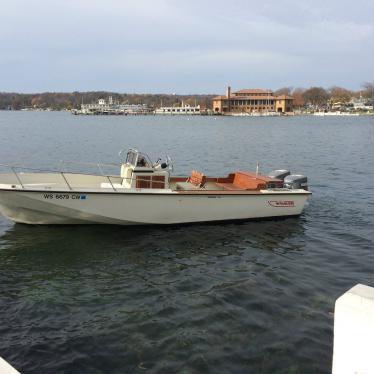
(336, 113)
(146, 193)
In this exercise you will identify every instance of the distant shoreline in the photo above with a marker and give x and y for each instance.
(301, 114)
(306, 101)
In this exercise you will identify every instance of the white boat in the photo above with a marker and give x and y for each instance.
(337, 113)
(145, 193)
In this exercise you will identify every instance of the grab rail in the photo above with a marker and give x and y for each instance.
(99, 165)
(19, 180)
(63, 176)
(46, 170)
(62, 173)
(110, 182)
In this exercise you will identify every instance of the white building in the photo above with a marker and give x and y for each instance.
(179, 110)
(361, 104)
(112, 107)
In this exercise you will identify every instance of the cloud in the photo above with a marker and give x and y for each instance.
(195, 46)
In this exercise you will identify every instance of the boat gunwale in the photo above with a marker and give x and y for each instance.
(171, 193)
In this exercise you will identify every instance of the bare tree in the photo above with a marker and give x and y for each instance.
(283, 91)
(369, 90)
(298, 98)
(340, 94)
(317, 96)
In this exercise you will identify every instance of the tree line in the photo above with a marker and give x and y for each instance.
(315, 96)
(319, 96)
(71, 100)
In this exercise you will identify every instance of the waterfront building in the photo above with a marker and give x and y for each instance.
(252, 101)
(110, 106)
(361, 104)
(101, 106)
(179, 110)
(135, 108)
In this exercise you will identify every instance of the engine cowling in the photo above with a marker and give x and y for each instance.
(296, 181)
(279, 174)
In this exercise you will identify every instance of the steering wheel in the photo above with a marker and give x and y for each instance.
(157, 162)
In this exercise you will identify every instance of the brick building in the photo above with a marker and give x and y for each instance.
(252, 101)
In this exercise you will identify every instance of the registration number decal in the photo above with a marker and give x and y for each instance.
(64, 196)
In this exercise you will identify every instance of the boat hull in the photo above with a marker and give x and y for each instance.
(142, 208)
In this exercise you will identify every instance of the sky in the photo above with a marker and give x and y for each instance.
(184, 47)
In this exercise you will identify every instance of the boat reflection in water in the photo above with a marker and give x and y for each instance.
(63, 246)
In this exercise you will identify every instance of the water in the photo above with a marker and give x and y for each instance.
(251, 297)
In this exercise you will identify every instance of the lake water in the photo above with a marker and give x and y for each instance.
(255, 297)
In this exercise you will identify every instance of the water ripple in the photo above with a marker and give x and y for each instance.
(247, 297)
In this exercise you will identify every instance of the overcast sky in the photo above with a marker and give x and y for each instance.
(172, 46)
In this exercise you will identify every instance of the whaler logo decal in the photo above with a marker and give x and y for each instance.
(282, 203)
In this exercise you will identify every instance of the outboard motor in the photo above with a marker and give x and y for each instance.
(279, 174)
(295, 181)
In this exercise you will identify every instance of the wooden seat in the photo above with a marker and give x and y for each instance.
(250, 181)
(197, 179)
(194, 182)
(244, 181)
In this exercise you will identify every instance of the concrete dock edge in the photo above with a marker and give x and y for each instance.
(354, 332)
(6, 368)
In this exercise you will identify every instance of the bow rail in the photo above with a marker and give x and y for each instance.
(72, 180)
